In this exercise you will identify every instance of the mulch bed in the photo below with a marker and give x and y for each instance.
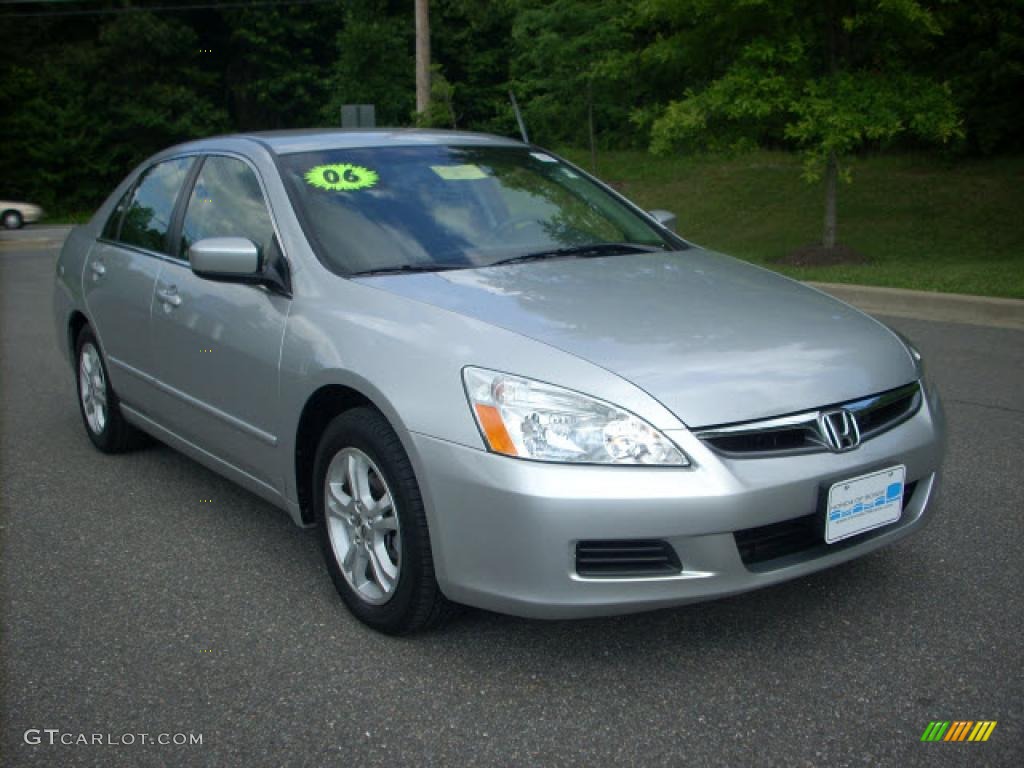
(817, 255)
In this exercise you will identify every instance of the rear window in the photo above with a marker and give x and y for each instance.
(148, 216)
(390, 207)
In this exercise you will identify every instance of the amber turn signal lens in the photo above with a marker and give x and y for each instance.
(494, 430)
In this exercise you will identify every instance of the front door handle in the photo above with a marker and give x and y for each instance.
(169, 296)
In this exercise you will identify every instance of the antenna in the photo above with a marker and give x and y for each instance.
(519, 118)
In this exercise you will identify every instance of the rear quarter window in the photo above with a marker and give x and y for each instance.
(112, 229)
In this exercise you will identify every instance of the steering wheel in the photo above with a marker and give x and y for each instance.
(516, 222)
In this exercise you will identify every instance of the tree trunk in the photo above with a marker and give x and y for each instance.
(590, 124)
(828, 240)
(422, 56)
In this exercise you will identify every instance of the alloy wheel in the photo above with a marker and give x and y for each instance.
(362, 524)
(92, 388)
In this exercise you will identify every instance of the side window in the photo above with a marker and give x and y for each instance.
(226, 202)
(148, 216)
(113, 225)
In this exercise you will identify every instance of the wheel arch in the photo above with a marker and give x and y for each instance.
(76, 322)
(321, 406)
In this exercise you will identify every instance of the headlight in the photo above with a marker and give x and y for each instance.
(532, 420)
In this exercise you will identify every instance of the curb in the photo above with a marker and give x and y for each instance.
(928, 305)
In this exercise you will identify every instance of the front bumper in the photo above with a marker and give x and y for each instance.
(504, 531)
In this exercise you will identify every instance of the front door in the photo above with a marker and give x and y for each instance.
(217, 344)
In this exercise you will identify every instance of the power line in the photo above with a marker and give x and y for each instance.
(148, 8)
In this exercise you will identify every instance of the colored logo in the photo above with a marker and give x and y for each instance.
(892, 493)
(341, 177)
(958, 730)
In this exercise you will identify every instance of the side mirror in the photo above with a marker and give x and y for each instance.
(667, 219)
(225, 258)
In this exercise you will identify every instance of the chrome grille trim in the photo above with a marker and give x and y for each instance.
(801, 433)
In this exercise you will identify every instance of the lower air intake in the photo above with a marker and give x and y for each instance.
(620, 558)
(764, 547)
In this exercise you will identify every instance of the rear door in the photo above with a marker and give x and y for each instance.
(121, 273)
(217, 344)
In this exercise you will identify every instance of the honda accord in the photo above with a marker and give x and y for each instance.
(487, 378)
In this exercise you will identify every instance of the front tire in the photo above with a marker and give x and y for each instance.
(100, 408)
(373, 527)
(12, 220)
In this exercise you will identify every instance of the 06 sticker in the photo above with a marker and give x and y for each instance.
(341, 177)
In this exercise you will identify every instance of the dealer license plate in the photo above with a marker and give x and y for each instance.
(864, 503)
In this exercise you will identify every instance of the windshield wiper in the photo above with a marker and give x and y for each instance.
(408, 269)
(571, 251)
(580, 251)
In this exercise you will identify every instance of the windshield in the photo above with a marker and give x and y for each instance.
(443, 207)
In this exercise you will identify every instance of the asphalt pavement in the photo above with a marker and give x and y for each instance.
(131, 605)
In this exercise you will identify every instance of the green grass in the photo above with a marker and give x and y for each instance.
(922, 223)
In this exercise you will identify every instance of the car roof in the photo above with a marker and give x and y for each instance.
(289, 142)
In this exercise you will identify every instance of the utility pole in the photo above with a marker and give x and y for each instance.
(422, 56)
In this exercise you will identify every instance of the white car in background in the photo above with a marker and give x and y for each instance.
(15, 215)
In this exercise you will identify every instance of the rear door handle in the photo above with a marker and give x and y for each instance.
(98, 270)
(169, 296)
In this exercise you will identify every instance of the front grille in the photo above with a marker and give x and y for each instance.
(802, 433)
(769, 441)
(887, 412)
(626, 557)
(761, 546)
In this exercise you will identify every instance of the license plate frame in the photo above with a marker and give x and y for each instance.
(860, 504)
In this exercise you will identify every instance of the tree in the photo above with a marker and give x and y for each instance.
(374, 62)
(986, 70)
(834, 77)
(88, 109)
(275, 61)
(558, 67)
(440, 111)
(470, 45)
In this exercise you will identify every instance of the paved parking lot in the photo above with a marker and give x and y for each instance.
(130, 606)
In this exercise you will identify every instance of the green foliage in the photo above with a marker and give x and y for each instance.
(83, 98)
(441, 110)
(470, 43)
(374, 63)
(831, 77)
(276, 63)
(558, 67)
(74, 123)
(839, 114)
(984, 60)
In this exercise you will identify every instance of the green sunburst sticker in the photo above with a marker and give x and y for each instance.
(341, 177)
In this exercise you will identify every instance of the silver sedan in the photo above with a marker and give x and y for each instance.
(487, 378)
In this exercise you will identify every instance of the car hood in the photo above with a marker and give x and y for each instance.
(715, 339)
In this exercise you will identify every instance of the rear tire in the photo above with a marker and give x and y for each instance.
(373, 527)
(100, 408)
